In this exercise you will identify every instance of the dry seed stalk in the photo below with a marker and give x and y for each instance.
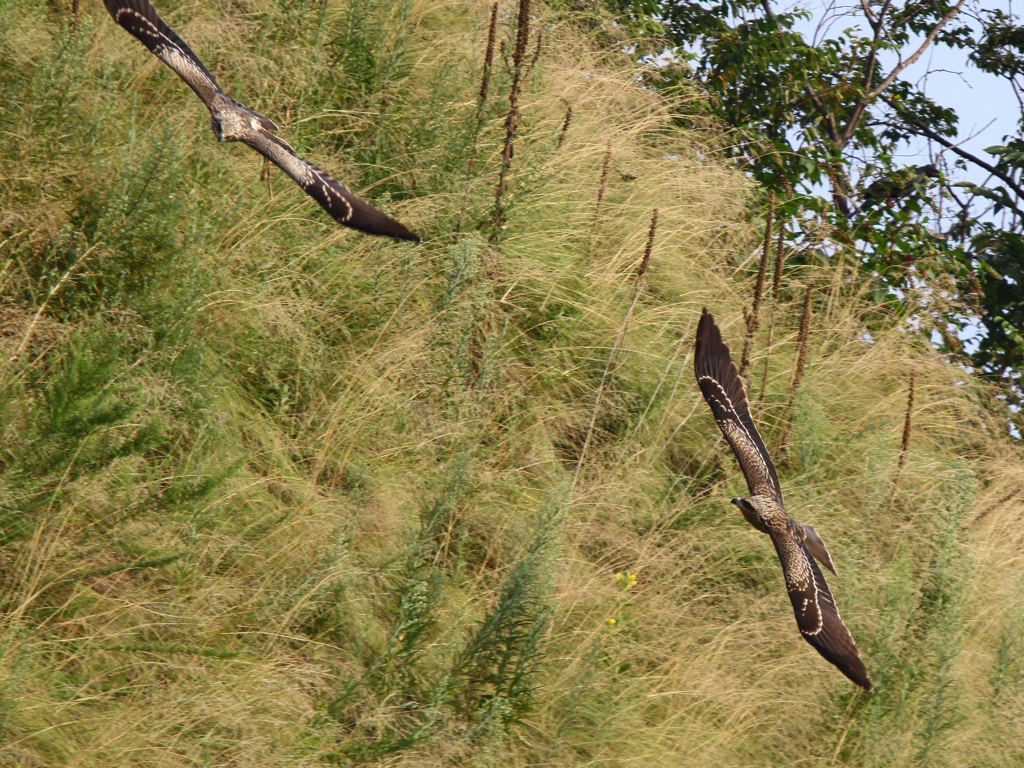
(801, 362)
(992, 507)
(603, 186)
(780, 261)
(481, 106)
(492, 31)
(642, 270)
(908, 426)
(801, 343)
(753, 318)
(512, 120)
(565, 127)
(637, 288)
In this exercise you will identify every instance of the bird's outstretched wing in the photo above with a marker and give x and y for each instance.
(141, 19)
(722, 387)
(345, 207)
(815, 609)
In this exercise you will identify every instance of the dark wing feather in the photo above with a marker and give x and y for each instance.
(722, 387)
(344, 206)
(140, 18)
(815, 609)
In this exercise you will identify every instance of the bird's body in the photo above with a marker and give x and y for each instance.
(897, 186)
(232, 121)
(797, 545)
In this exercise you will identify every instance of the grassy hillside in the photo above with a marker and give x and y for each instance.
(276, 493)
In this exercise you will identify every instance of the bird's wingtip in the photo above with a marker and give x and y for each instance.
(860, 678)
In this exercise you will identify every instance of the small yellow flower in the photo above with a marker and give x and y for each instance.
(626, 580)
(612, 621)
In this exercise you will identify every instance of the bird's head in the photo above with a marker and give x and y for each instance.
(744, 503)
(751, 508)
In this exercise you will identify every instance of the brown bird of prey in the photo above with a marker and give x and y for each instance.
(797, 545)
(232, 121)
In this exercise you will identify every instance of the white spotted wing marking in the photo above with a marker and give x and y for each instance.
(316, 182)
(751, 459)
(800, 582)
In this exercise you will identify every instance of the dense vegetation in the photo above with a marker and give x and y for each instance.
(276, 493)
(825, 108)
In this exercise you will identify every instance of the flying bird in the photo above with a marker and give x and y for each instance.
(797, 545)
(232, 121)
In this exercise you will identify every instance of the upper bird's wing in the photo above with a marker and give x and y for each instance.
(722, 387)
(141, 19)
(344, 206)
(815, 609)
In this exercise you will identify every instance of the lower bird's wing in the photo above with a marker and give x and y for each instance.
(344, 206)
(140, 18)
(815, 609)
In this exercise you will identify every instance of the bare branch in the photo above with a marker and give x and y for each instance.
(862, 104)
(870, 16)
(878, 27)
(927, 132)
(929, 39)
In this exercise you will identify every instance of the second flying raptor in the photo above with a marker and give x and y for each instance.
(232, 121)
(796, 545)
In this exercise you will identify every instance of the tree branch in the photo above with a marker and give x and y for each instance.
(878, 27)
(928, 133)
(828, 117)
(870, 16)
(917, 54)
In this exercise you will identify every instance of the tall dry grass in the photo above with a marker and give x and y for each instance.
(276, 493)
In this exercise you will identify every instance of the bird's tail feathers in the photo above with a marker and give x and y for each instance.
(817, 547)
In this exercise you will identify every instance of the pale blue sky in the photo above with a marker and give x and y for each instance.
(987, 106)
